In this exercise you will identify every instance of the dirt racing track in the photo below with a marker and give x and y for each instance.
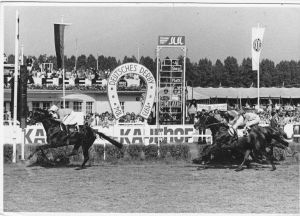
(152, 188)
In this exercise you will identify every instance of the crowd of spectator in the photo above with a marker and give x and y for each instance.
(107, 119)
(89, 79)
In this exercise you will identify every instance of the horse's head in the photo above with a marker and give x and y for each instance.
(38, 115)
(200, 123)
(206, 120)
(281, 136)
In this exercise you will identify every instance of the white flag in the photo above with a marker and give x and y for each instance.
(257, 39)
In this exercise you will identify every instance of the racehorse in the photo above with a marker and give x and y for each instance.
(57, 136)
(258, 139)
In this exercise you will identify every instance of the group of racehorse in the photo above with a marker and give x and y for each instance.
(259, 142)
(255, 143)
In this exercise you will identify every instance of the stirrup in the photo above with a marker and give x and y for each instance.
(231, 131)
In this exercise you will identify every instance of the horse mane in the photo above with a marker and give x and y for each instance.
(48, 116)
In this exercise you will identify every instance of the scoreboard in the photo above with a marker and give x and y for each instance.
(170, 93)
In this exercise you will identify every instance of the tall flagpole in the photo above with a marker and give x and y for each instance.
(258, 95)
(63, 62)
(63, 71)
(97, 62)
(16, 87)
(75, 54)
(138, 55)
(257, 44)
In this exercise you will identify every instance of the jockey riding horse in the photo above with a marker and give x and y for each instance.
(57, 136)
(255, 143)
(70, 122)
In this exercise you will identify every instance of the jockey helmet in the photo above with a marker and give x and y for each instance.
(242, 112)
(232, 113)
(54, 108)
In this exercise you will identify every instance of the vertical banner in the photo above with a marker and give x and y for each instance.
(23, 96)
(257, 39)
(59, 44)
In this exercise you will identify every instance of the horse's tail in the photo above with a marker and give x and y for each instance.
(112, 141)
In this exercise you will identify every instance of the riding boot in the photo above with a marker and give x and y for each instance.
(74, 152)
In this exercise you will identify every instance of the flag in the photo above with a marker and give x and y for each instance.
(257, 39)
(59, 44)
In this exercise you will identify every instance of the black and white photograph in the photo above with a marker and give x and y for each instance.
(150, 107)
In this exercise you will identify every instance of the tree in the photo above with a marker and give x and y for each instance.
(112, 63)
(231, 71)
(283, 73)
(294, 69)
(267, 71)
(218, 69)
(129, 59)
(52, 59)
(248, 77)
(91, 62)
(70, 64)
(81, 62)
(205, 70)
(149, 63)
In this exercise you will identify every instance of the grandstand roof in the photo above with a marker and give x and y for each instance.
(206, 93)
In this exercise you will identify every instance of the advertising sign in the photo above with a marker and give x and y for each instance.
(117, 74)
(209, 107)
(128, 134)
(171, 40)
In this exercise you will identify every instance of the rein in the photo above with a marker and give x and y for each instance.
(213, 124)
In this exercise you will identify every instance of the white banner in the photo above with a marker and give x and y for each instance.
(210, 107)
(256, 44)
(126, 134)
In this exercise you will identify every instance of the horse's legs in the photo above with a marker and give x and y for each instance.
(240, 167)
(40, 148)
(75, 149)
(269, 156)
(85, 151)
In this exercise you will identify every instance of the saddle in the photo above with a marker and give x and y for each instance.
(69, 129)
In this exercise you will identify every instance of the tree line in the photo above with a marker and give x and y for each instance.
(203, 73)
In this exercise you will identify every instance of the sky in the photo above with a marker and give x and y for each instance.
(210, 32)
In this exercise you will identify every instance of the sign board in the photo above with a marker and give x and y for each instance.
(171, 40)
(117, 74)
(126, 134)
(209, 107)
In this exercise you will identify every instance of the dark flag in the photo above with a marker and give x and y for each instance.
(59, 44)
(22, 96)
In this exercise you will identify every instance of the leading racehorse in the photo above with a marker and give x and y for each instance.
(57, 136)
(257, 142)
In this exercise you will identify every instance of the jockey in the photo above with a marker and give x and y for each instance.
(245, 119)
(65, 116)
(274, 121)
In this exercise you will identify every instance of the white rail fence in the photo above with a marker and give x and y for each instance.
(127, 134)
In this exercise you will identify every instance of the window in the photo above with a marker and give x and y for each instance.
(77, 106)
(46, 105)
(35, 105)
(122, 105)
(62, 104)
(89, 107)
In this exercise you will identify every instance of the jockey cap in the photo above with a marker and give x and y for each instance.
(54, 108)
(232, 113)
(241, 112)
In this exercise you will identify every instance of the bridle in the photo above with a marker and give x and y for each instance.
(211, 124)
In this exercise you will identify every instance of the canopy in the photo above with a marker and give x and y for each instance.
(199, 93)
(79, 97)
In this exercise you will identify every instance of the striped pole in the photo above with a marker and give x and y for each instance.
(14, 158)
